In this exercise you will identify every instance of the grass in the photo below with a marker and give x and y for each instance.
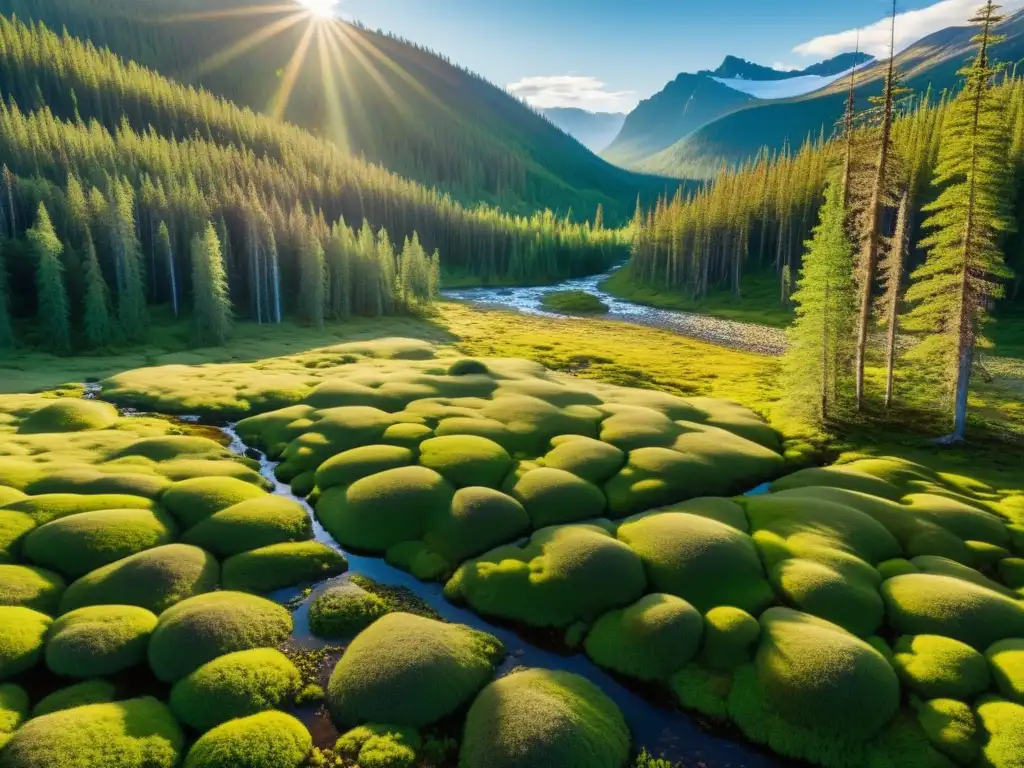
(573, 303)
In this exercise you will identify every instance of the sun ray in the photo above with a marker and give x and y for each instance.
(356, 112)
(349, 42)
(247, 43)
(291, 73)
(249, 10)
(337, 130)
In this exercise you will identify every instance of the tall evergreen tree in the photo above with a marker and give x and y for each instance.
(312, 293)
(892, 269)
(165, 256)
(131, 290)
(6, 325)
(968, 221)
(54, 320)
(211, 304)
(96, 319)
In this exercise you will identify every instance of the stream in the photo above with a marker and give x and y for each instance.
(749, 337)
(663, 731)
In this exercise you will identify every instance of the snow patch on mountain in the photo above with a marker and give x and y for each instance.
(780, 89)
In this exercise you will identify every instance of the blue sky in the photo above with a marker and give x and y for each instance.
(608, 54)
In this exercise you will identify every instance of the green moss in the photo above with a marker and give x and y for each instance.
(282, 565)
(923, 604)
(192, 501)
(984, 554)
(952, 728)
(13, 709)
(91, 481)
(417, 558)
(202, 628)
(172, 448)
(593, 460)
(274, 430)
(649, 640)
(815, 588)
(70, 415)
(842, 477)
(725, 511)
(479, 520)
(235, 685)
(29, 587)
(896, 566)
(384, 671)
(730, 638)
(22, 632)
(333, 431)
(187, 469)
(943, 566)
(554, 497)
(154, 579)
(124, 734)
(264, 740)
(466, 460)
(703, 690)
(357, 463)
(561, 576)
(9, 495)
(1007, 660)
(380, 746)
(76, 545)
(344, 610)
(407, 435)
(573, 303)
(79, 695)
(544, 718)
(1002, 722)
(53, 506)
(700, 560)
(936, 667)
(99, 640)
(251, 524)
(14, 526)
(963, 520)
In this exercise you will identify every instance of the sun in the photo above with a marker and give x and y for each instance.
(324, 9)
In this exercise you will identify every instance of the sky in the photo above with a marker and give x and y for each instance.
(607, 55)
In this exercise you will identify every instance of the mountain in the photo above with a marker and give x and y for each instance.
(932, 62)
(736, 68)
(594, 130)
(386, 99)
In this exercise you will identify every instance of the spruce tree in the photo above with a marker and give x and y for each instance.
(211, 304)
(952, 291)
(96, 319)
(165, 256)
(312, 293)
(821, 337)
(54, 319)
(892, 268)
(6, 324)
(131, 290)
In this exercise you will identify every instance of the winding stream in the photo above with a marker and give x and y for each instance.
(727, 333)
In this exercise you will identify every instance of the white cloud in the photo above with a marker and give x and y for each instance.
(545, 91)
(911, 26)
(783, 67)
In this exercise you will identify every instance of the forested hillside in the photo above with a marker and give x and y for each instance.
(387, 99)
(132, 169)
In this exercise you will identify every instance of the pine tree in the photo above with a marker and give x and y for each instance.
(131, 289)
(968, 221)
(53, 315)
(211, 304)
(892, 268)
(165, 256)
(98, 325)
(821, 338)
(312, 294)
(6, 325)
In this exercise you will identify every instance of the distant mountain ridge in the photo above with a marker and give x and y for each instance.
(594, 130)
(735, 67)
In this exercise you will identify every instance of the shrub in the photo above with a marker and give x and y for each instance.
(343, 610)
(385, 670)
(251, 524)
(114, 735)
(282, 565)
(264, 740)
(936, 667)
(479, 520)
(192, 501)
(951, 727)
(465, 460)
(77, 695)
(847, 600)
(573, 302)
(53, 506)
(730, 637)
(1007, 659)
(99, 640)
(29, 587)
(202, 628)
(357, 463)
(923, 604)
(13, 709)
(649, 640)
(590, 459)
(14, 526)
(69, 415)
(544, 718)
(155, 579)
(702, 561)
(561, 576)
(1001, 720)
(380, 746)
(22, 632)
(81, 543)
(554, 496)
(382, 510)
(235, 685)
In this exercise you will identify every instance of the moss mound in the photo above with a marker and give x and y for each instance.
(344, 610)
(91, 481)
(544, 718)
(952, 727)
(573, 303)
(69, 415)
(173, 447)
(22, 632)
(649, 640)
(561, 576)
(936, 667)
(155, 579)
(1007, 659)
(385, 509)
(29, 587)
(52, 506)
(1011, 570)
(78, 695)
(730, 638)
(479, 520)
(964, 520)
(264, 740)
(333, 431)
(466, 460)
(839, 477)
(125, 734)
(1002, 721)
(897, 566)
(700, 560)
(76, 545)
(380, 746)
(820, 590)
(99, 640)
(251, 524)
(202, 628)
(14, 526)
(282, 565)
(9, 495)
(13, 710)
(943, 566)
(407, 435)
(192, 501)
(554, 497)
(924, 604)
(585, 457)
(385, 670)
(349, 466)
(236, 685)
